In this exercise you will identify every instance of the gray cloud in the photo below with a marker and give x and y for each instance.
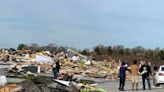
(82, 23)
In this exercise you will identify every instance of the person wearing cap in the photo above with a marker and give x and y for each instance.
(122, 75)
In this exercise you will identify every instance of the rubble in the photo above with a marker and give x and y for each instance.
(29, 64)
(64, 86)
(85, 67)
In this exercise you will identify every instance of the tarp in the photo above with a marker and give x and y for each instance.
(44, 59)
(72, 53)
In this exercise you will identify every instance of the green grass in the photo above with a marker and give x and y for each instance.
(87, 81)
(38, 79)
(96, 90)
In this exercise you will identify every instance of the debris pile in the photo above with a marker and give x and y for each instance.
(25, 63)
(42, 61)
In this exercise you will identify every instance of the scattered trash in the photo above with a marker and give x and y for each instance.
(74, 66)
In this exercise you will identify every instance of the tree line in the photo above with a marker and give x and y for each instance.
(37, 48)
(101, 50)
(121, 50)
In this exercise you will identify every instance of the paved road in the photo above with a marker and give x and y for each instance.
(112, 86)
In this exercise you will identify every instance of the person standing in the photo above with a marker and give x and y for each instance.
(155, 69)
(126, 62)
(151, 66)
(140, 64)
(145, 71)
(122, 75)
(134, 72)
(56, 69)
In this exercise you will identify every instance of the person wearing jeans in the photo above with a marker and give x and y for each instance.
(148, 80)
(122, 75)
(56, 69)
(145, 70)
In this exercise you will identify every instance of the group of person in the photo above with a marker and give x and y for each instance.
(143, 69)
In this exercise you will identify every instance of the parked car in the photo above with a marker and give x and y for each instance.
(159, 76)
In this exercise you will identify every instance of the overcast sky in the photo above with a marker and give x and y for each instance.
(82, 23)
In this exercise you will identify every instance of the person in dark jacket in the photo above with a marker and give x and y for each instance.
(155, 69)
(122, 75)
(145, 71)
(56, 69)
